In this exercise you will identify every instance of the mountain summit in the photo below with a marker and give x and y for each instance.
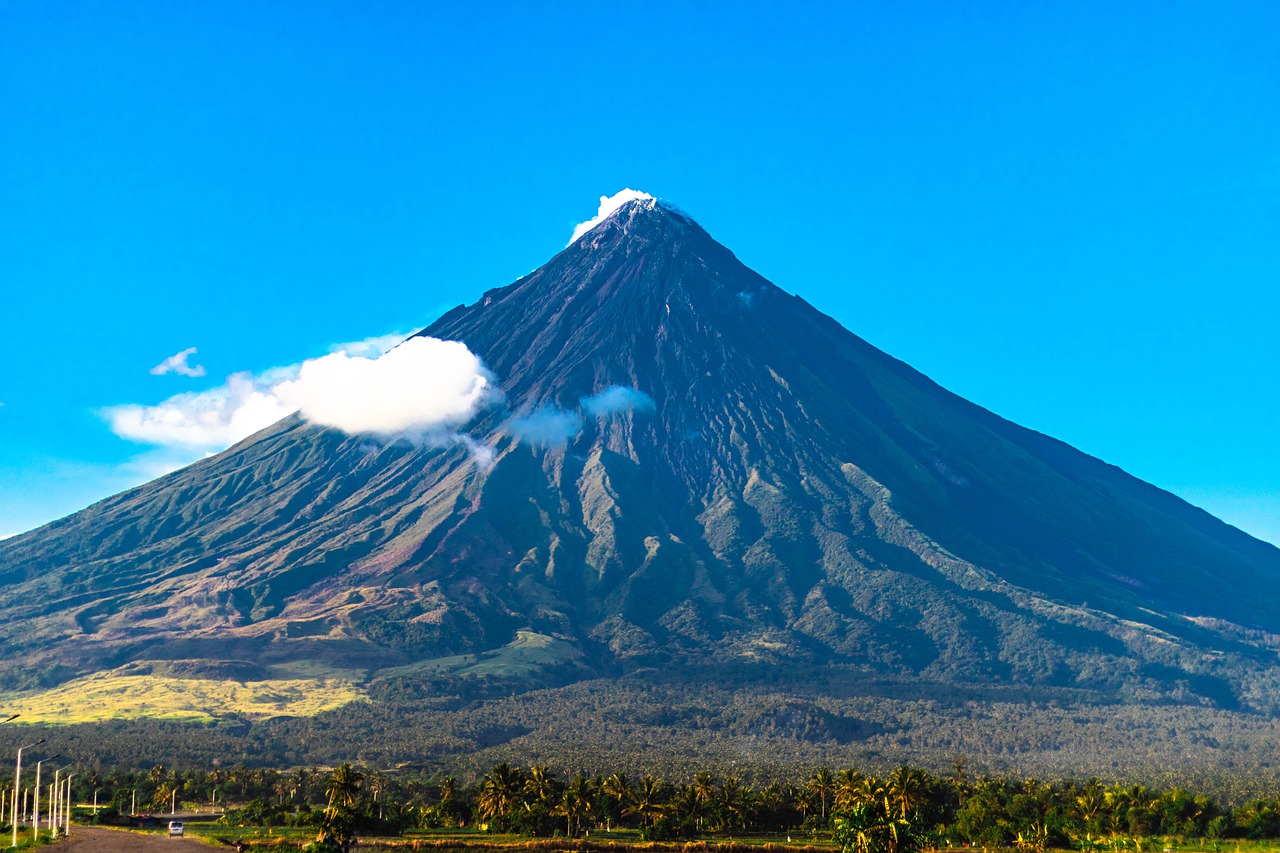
(691, 468)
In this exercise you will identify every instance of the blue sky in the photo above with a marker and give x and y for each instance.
(1066, 212)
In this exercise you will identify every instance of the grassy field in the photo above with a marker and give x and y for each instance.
(470, 839)
(117, 696)
(621, 841)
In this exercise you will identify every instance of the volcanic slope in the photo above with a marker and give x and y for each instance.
(691, 468)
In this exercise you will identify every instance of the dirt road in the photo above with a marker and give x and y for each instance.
(92, 839)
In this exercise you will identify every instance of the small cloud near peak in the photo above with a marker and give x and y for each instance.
(608, 204)
(177, 363)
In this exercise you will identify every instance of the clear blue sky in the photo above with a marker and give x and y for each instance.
(1066, 212)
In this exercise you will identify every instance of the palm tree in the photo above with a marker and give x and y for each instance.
(500, 793)
(541, 785)
(822, 785)
(687, 806)
(647, 801)
(343, 786)
(161, 798)
(850, 788)
(905, 787)
(704, 788)
(1089, 802)
(341, 789)
(298, 782)
(733, 799)
(575, 804)
(618, 788)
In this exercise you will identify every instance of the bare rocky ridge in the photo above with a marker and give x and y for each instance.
(790, 495)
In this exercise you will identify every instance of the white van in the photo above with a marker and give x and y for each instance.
(175, 829)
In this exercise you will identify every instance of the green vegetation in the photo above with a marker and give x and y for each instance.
(673, 724)
(904, 811)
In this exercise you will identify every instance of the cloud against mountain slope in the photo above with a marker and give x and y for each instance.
(608, 204)
(422, 386)
(178, 363)
(617, 398)
(551, 426)
(548, 426)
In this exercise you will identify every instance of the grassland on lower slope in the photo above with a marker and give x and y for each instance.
(116, 695)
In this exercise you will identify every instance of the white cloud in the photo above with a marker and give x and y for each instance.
(617, 398)
(210, 419)
(549, 426)
(177, 363)
(423, 386)
(608, 204)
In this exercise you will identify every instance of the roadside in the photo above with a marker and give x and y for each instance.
(96, 839)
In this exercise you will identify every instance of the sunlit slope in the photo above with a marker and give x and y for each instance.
(125, 695)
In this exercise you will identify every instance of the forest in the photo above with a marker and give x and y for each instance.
(908, 809)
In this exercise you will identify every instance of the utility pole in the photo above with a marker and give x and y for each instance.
(54, 796)
(66, 809)
(17, 782)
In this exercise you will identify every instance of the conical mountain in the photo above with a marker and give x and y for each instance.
(690, 467)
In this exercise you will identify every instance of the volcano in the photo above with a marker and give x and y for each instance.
(691, 469)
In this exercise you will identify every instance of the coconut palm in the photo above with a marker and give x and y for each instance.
(617, 788)
(500, 793)
(704, 788)
(648, 800)
(904, 789)
(575, 804)
(822, 785)
(341, 790)
(733, 800)
(542, 786)
(687, 807)
(850, 788)
(343, 787)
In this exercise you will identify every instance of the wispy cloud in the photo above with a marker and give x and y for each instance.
(178, 363)
(608, 204)
(551, 426)
(548, 426)
(205, 420)
(617, 398)
(423, 386)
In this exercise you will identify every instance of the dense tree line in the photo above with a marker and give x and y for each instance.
(902, 811)
(674, 724)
